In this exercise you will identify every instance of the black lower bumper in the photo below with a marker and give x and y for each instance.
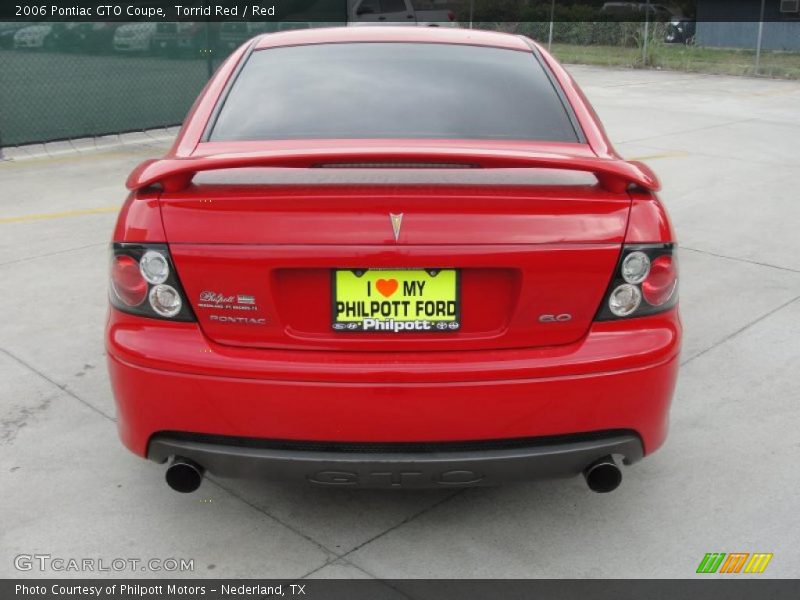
(397, 465)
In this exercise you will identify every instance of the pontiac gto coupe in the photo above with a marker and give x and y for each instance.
(393, 257)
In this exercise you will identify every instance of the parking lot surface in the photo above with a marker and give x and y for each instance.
(726, 481)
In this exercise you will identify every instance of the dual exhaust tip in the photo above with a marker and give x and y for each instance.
(602, 476)
(184, 475)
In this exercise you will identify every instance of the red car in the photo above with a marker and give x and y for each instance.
(393, 257)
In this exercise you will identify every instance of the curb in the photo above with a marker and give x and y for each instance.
(88, 144)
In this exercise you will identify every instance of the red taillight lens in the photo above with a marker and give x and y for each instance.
(127, 281)
(660, 284)
(451, 15)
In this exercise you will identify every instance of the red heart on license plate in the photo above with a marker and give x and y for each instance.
(387, 287)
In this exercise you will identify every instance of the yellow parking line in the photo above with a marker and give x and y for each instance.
(676, 154)
(781, 92)
(58, 215)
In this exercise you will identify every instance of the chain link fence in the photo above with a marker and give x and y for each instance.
(75, 80)
(62, 81)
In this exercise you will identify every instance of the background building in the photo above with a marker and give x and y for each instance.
(781, 24)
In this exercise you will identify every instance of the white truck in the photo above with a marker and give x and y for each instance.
(400, 12)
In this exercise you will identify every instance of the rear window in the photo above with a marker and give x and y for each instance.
(392, 90)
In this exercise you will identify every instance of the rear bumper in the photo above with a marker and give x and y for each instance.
(168, 377)
(405, 466)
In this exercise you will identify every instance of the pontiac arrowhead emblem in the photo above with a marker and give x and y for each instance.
(397, 223)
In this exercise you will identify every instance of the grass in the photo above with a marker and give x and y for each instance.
(720, 61)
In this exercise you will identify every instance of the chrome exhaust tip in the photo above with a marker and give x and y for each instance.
(184, 475)
(603, 475)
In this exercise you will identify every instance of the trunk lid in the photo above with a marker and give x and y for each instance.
(256, 258)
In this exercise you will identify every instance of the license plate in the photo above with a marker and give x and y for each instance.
(396, 300)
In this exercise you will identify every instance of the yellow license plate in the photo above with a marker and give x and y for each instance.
(396, 300)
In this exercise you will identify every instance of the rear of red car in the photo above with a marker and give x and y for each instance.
(393, 258)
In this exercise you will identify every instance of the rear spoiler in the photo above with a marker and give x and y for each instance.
(175, 174)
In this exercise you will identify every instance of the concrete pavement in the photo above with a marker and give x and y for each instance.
(726, 481)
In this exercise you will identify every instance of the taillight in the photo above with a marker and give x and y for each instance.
(451, 15)
(645, 282)
(659, 287)
(127, 284)
(144, 282)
